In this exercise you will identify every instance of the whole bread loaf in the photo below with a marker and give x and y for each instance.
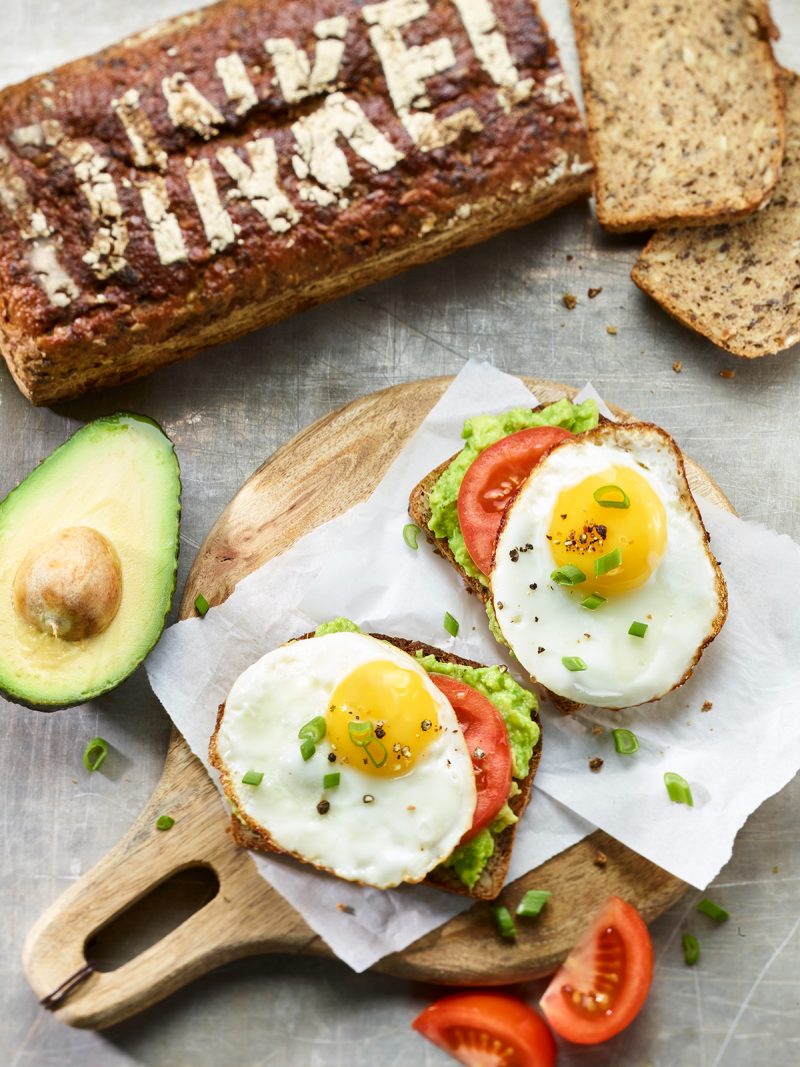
(684, 109)
(250, 834)
(739, 285)
(227, 168)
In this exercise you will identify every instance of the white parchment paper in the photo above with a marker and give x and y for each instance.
(746, 747)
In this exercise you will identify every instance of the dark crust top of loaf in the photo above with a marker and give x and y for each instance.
(739, 286)
(249, 834)
(529, 159)
(684, 109)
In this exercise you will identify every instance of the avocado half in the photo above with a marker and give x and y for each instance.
(117, 477)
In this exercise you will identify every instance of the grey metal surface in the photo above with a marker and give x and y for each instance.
(227, 411)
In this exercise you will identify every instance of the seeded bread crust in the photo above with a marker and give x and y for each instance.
(250, 834)
(739, 286)
(684, 109)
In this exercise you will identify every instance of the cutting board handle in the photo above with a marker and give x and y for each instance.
(55, 949)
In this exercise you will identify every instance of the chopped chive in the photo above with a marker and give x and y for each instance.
(691, 949)
(609, 562)
(625, 742)
(450, 624)
(713, 911)
(330, 781)
(307, 749)
(569, 574)
(637, 629)
(361, 733)
(574, 663)
(164, 822)
(533, 902)
(201, 605)
(593, 601)
(612, 496)
(410, 532)
(252, 777)
(313, 730)
(94, 753)
(678, 789)
(504, 922)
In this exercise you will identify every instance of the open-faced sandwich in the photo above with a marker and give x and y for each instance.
(379, 760)
(583, 540)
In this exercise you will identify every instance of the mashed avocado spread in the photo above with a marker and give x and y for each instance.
(480, 432)
(515, 705)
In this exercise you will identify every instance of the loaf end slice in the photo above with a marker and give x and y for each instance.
(684, 109)
(739, 286)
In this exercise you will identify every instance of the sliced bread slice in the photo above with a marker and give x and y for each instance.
(739, 286)
(684, 109)
(251, 835)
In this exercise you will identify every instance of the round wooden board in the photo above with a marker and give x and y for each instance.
(323, 471)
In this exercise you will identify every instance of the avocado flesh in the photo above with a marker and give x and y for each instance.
(118, 475)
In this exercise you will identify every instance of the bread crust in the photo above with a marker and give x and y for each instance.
(249, 834)
(697, 185)
(511, 160)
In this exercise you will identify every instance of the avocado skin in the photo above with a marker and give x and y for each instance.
(118, 419)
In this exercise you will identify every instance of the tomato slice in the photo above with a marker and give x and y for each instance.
(488, 1030)
(603, 983)
(487, 741)
(491, 481)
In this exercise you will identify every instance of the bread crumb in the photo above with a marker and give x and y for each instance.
(570, 300)
(592, 293)
(597, 729)
(677, 366)
(346, 909)
(600, 859)
(595, 764)
(727, 374)
(612, 330)
(707, 705)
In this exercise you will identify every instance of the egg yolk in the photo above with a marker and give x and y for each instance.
(582, 531)
(381, 718)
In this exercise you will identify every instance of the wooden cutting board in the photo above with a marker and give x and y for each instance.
(323, 471)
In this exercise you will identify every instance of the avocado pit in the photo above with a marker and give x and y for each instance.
(69, 585)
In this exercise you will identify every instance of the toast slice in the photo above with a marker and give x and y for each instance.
(249, 834)
(684, 109)
(739, 286)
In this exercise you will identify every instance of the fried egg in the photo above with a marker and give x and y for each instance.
(603, 583)
(405, 793)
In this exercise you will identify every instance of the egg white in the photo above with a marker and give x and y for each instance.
(413, 822)
(683, 601)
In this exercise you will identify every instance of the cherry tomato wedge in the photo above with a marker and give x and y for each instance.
(603, 983)
(487, 741)
(490, 482)
(488, 1030)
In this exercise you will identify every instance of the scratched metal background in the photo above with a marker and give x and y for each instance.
(229, 409)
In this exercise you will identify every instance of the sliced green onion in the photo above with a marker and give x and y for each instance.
(637, 629)
(609, 562)
(361, 733)
(330, 781)
(569, 574)
(377, 752)
(307, 749)
(691, 949)
(618, 498)
(533, 902)
(164, 822)
(574, 663)
(625, 742)
(201, 605)
(94, 753)
(313, 730)
(678, 789)
(252, 777)
(713, 911)
(504, 922)
(450, 624)
(410, 532)
(593, 601)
